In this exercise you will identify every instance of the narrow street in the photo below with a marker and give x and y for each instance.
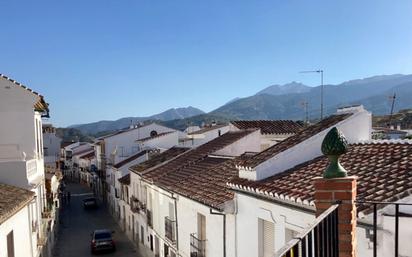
(77, 224)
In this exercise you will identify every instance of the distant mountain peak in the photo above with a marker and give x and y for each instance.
(288, 88)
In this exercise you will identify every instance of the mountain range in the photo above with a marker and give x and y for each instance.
(285, 102)
(108, 125)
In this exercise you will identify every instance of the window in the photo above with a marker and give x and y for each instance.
(10, 244)
(201, 226)
(153, 133)
(266, 238)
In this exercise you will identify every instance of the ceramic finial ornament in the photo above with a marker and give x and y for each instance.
(333, 146)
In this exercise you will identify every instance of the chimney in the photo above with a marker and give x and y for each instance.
(398, 127)
(335, 186)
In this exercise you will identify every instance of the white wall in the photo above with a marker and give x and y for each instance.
(250, 209)
(127, 140)
(200, 139)
(20, 225)
(356, 128)
(18, 121)
(52, 143)
(249, 143)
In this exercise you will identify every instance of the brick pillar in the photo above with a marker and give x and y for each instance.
(327, 192)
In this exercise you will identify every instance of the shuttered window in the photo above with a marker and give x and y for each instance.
(10, 244)
(201, 226)
(266, 238)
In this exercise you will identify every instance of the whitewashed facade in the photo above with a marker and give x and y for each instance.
(186, 216)
(21, 149)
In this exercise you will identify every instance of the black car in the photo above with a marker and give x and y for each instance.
(90, 203)
(102, 240)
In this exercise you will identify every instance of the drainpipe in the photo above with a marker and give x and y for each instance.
(224, 229)
(177, 230)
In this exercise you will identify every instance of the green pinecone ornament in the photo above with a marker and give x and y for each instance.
(333, 146)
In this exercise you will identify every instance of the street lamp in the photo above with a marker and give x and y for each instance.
(321, 89)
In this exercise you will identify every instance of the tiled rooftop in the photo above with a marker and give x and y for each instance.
(156, 136)
(12, 200)
(270, 126)
(88, 155)
(197, 175)
(131, 158)
(40, 105)
(125, 179)
(384, 171)
(205, 181)
(192, 156)
(158, 159)
(294, 140)
(206, 129)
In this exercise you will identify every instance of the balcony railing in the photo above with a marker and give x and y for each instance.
(134, 205)
(197, 246)
(170, 229)
(149, 218)
(374, 235)
(31, 167)
(320, 239)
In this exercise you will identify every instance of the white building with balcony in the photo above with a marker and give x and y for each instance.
(21, 148)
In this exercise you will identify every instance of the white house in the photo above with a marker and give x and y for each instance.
(21, 149)
(200, 136)
(116, 201)
(118, 146)
(275, 195)
(181, 205)
(16, 227)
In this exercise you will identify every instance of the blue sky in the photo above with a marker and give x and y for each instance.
(96, 60)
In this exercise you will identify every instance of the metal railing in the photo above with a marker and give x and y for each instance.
(149, 218)
(197, 246)
(319, 240)
(375, 206)
(170, 227)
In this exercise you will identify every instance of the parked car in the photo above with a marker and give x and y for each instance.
(102, 240)
(90, 203)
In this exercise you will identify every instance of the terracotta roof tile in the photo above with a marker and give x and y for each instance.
(206, 129)
(270, 126)
(197, 175)
(294, 140)
(125, 179)
(192, 156)
(156, 136)
(131, 158)
(40, 105)
(158, 159)
(384, 171)
(12, 200)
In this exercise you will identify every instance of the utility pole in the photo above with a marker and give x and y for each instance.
(393, 98)
(321, 89)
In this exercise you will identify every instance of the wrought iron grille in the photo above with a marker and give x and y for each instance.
(149, 218)
(170, 226)
(197, 246)
(375, 206)
(319, 240)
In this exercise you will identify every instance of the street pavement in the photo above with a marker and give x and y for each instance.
(77, 224)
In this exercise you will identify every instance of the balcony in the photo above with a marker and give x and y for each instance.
(170, 229)
(197, 246)
(134, 205)
(149, 218)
